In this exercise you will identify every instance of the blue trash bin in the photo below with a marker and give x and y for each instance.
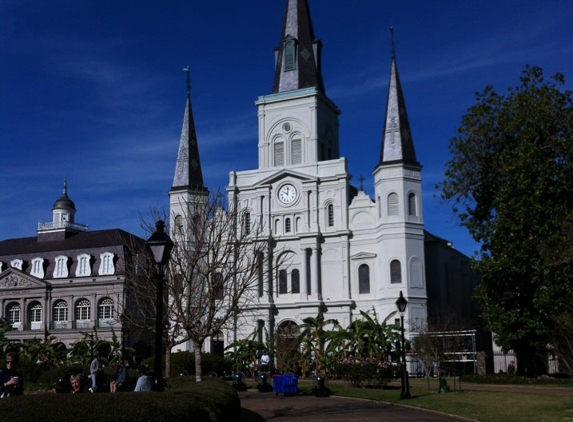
(285, 384)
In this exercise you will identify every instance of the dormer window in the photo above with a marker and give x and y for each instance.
(106, 266)
(17, 263)
(38, 267)
(61, 268)
(84, 268)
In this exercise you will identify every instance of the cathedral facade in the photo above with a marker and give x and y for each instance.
(333, 247)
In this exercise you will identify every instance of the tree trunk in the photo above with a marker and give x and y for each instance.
(167, 361)
(197, 348)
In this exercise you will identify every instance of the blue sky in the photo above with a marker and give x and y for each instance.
(94, 90)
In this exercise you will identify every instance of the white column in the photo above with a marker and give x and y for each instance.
(304, 275)
(314, 260)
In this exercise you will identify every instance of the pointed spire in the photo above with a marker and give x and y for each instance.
(397, 143)
(299, 53)
(188, 173)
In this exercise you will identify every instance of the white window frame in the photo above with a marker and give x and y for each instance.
(393, 204)
(105, 312)
(106, 266)
(84, 265)
(61, 267)
(38, 267)
(36, 319)
(82, 313)
(14, 313)
(17, 263)
(60, 311)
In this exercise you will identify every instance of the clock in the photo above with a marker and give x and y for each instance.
(287, 194)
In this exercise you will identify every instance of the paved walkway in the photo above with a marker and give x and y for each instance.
(261, 407)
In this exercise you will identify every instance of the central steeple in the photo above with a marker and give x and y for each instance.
(297, 58)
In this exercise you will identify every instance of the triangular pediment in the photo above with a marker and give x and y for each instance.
(283, 174)
(363, 255)
(12, 278)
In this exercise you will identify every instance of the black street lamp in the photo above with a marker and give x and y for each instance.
(401, 303)
(159, 245)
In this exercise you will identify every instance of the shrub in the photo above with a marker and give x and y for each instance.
(210, 401)
(366, 374)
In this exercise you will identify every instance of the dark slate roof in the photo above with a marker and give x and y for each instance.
(188, 172)
(298, 25)
(397, 143)
(76, 241)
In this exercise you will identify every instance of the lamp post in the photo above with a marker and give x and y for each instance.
(159, 245)
(401, 303)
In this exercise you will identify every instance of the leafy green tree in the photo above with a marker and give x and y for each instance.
(511, 180)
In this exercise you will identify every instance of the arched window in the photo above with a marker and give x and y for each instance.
(296, 151)
(330, 215)
(83, 313)
(364, 279)
(60, 311)
(395, 272)
(261, 273)
(247, 222)
(288, 226)
(35, 316)
(295, 281)
(218, 286)
(283, 286)
(279, 154)
(287, 336)
(14, 312)
(412, 209)
(105, 309)
(393, 208)
(178, 225)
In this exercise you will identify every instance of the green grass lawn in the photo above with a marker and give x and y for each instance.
(485, 406)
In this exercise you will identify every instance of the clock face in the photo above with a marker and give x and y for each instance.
(287, 194)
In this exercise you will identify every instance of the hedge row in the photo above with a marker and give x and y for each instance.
(210, 401)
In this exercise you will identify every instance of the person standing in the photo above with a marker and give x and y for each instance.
(11, 381)
(94, 369)
(264, 362)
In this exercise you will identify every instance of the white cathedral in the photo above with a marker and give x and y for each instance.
(345, 251)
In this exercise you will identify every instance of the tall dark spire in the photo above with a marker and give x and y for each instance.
(397, 143)
(298, 58)
(188, 173)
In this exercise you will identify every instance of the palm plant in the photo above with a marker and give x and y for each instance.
(243, 354)
(313, 338)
